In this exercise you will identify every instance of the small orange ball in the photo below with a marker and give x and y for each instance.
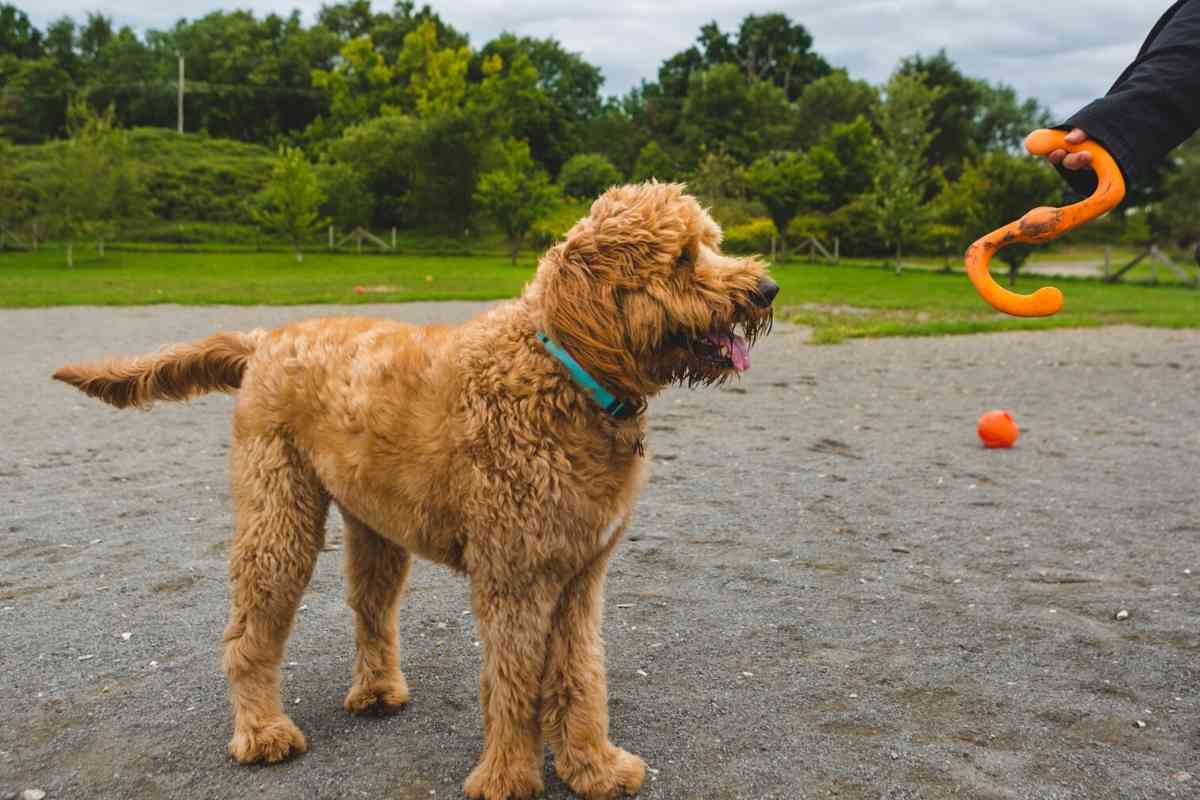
(997, 429)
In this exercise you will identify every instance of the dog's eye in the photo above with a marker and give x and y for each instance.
(684, 258)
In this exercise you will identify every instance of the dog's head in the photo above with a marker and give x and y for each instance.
(640, 294)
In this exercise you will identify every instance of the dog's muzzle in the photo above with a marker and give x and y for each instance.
(767, 289)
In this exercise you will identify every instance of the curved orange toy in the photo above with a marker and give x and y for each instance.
(1042, 225)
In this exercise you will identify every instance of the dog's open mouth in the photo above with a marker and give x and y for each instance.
(704, 358)
(731, 349)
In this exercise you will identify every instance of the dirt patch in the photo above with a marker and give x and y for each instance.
(830, 589)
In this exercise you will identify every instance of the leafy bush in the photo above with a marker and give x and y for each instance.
(349, 201)
(806, 225)
(553, 226)
(587, 175)
(854, 226)
(753, 237)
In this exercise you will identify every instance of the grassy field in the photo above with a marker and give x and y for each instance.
(856, 299)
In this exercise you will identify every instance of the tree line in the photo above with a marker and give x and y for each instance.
(402, 122)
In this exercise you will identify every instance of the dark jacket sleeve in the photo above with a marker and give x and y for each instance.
(1155, 104)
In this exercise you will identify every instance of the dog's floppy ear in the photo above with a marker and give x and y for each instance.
(582, 313)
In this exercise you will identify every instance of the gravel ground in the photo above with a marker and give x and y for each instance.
(830, 589)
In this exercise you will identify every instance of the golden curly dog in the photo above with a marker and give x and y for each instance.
(476, 447)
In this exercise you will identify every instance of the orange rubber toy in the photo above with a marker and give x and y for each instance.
(998, 429)
(1042, 225)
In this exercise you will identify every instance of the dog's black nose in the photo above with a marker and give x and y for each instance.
(767, 289)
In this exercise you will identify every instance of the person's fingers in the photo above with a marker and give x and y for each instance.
(1057, 156)
(1078, 161)
(1077, 136)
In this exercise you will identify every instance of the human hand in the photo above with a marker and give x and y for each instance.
(1074, 161)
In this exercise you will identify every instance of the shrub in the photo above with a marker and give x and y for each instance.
(587, 175)
(753, 237)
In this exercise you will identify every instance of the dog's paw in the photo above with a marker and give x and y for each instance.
(490, 781)
(271, 742)
(616, 774)
(379, 696)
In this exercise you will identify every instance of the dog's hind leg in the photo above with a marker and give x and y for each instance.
(575, 696)
(280, 517)
(377, 570)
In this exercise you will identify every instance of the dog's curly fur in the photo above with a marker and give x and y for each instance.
(470, 446)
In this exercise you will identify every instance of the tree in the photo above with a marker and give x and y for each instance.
(18, 36)
(1004, 120)
(11, 201)
(1177, 213)
(786, 183)
(35, 102)
(829, 101)
(615, 134)
(565, 96)
(349, 202)
(1000, 188)
(587, 175)
(360, 86)
(847, 160)
(718, 177)
(291, 203)
(772, 48)
(769, 47)
(903, 178)
(387, 151)
(516, 194)
(726, 110)
(654, 163)
(953, 111)
(972, 116)
(437, 76)
(95, 185)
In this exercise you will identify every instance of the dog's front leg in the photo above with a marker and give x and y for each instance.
(514, 622)
(575, 696)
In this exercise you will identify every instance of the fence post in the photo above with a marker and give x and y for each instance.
(837, 250)
(1107, 261)
(330, 237)
(393, 238)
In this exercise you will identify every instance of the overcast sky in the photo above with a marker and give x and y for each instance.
(1063, 54)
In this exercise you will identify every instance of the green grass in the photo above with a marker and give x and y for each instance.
(32, 280)
(859, 300)
(852, 300)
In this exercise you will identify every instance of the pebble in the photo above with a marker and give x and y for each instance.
(32, 794)
(895, 756)
(1181, 777)
(1121, 615)
(1137, 723)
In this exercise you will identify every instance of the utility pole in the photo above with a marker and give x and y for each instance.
(180, 115)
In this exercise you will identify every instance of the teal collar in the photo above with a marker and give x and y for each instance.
(604, 398)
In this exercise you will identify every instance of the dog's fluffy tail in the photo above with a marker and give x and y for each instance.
(174, 373)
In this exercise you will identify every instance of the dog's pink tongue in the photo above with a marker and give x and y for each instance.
(739, 350)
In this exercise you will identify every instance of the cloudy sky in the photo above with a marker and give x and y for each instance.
(1064, 54)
